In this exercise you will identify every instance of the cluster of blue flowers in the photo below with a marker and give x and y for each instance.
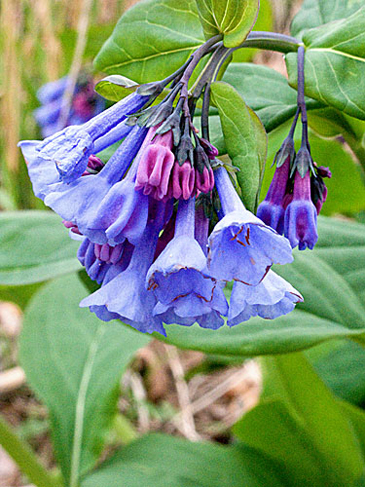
(85, 104)
(145, 218)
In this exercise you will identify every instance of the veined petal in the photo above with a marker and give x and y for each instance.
(243, 248)
(271, 298)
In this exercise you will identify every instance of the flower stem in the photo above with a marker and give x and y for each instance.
(27, 461)
(271, 41)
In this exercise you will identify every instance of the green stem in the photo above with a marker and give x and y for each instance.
(124, 429)
(271, 41)
(25, 458)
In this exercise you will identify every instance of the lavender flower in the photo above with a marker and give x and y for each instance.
(71, 148)
(82, 202)
(271, 210)
(125, 296)
(272, 298)
(179, 279)
(300, 225)
(241, 246)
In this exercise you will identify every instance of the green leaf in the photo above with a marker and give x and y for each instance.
(317, 12)
(293, 379)
(329, 122)
(264, 22)
(335, 64)
(116, 87)
(273, 428)
(266, 91)
(343, 371)
(74, 362)
(152, 40)
(245, 139)
(35, 247)
(161, 460)
(342, 246)
(333, 306)
(232, 18)
(19, 295)
(357, 418)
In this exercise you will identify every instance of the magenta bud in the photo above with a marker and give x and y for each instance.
(155, 167)
(183, 180)
(204, 181)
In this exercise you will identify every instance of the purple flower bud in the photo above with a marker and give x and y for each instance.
(271, 210)
(155, 166)
(204, 181)
(241, 246)
(182, 182)
(211, 151)
(300, 223)
(272, 298)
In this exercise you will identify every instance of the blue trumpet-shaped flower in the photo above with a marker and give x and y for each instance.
(241, 246)
(273, 297)
(42, 173)
(125, 296)
(179, 279)
(70, 148)
(82, 202)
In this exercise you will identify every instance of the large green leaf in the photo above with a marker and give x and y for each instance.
(264, 22)
(232, 18)
(317, 12)
(245, 139)
(311, 422)
(273, 428)
(152, 40)
(164, 461)
(74, 362)
(343, 370)
(35, 247)
(335, 64)
(342, 246)
(266, 91)
(333, 304)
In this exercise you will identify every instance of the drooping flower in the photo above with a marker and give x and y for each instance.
(273, 297)
(125, 296)
(300, 225)
(82, 202)
(179, 279)
(71, 148)
(271, 210)
(241, 246)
